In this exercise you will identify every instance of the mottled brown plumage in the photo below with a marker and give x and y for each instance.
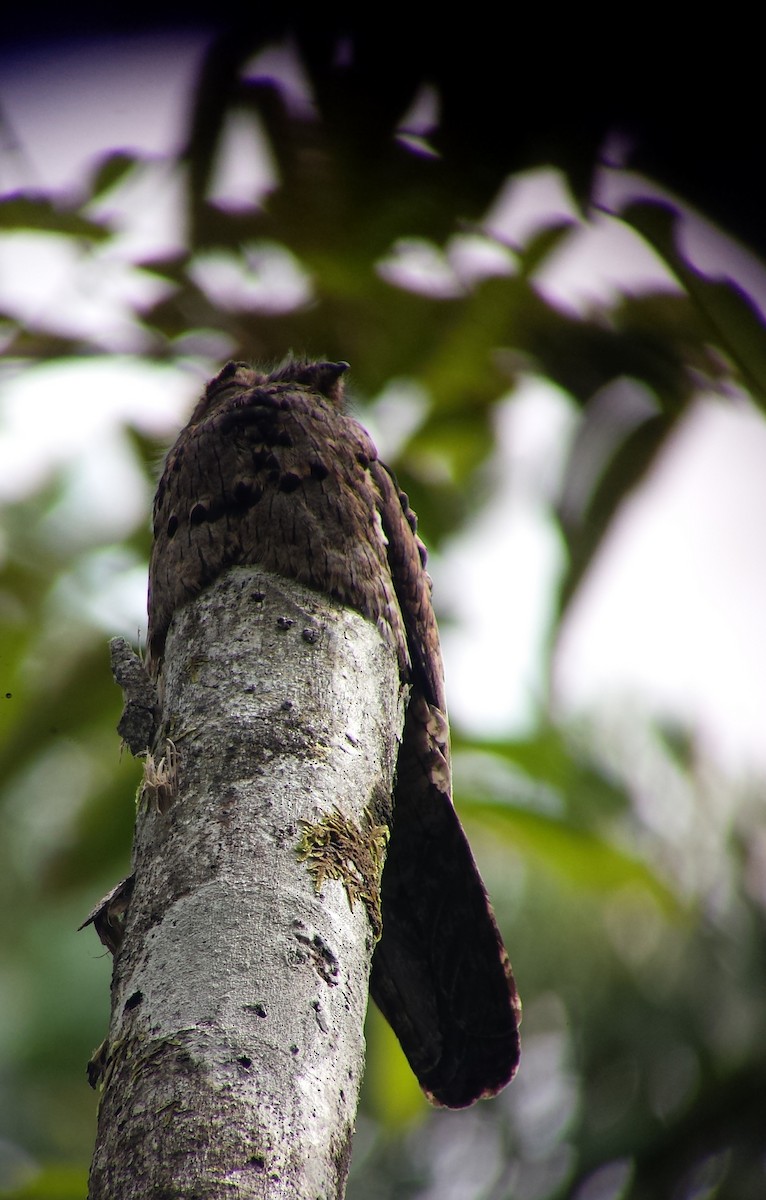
(271, 471)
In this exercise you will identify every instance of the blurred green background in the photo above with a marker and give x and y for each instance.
(336, 193)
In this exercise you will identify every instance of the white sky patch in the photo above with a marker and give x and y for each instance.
(670, 618)
(145, 212)
(264, 277)
(672, 610)
(69, 101)
(395, 415)
(496, 579)
(55, 283)
(598, 262)
(420, 266)
(594, 263)
(106, 588)
(701, 243)
(280, 64)
(474, 257)
(528, 203)
(244, 171)
(105, 496)
(51, 416)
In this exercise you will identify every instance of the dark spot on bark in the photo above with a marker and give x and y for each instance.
(198, 513)
(319, 470)
(322, 957)
(245, 1062)
(320, 1017)
(284, 622)
(310, 635)
(258, 597)
(172, 525)
(133, 1001)
(286, 705)
(257, 1161)
(293, 1049)
(362, 459)
(258, 1008)
(289, 482)
(327, 963)
(8, 695)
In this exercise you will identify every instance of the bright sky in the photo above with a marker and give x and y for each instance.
(671, 617)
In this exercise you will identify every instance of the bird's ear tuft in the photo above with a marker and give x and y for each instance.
(329, 380)
(325, 378)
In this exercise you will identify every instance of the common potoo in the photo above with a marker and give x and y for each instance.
(271, 471)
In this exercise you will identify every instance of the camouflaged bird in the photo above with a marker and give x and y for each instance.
(271, 471)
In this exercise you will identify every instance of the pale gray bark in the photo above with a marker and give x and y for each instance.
(236, 1047)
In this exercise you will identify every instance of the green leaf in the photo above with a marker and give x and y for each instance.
(543, 244)
(578, 856)
(111, 170)
(733, 320)
(390, 1090)
(587, 797)
(62, 1182)
(26, 212)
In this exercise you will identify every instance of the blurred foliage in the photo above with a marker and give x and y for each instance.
(640, 953)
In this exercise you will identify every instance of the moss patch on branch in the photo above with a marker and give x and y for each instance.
(335, 848)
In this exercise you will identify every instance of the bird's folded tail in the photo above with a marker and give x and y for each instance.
(440, 973)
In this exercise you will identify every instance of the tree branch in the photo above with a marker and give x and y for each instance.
(235, 1049)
